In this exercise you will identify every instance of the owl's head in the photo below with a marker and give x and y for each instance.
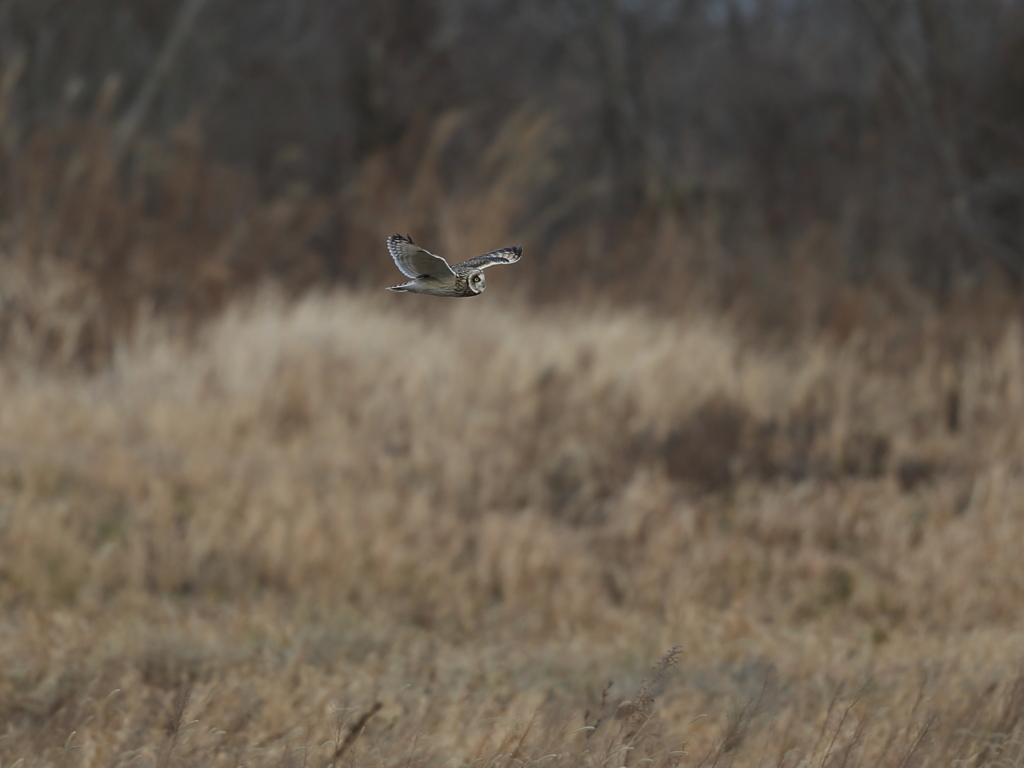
(476, 281)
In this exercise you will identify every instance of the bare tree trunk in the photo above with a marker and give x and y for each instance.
(620, 106)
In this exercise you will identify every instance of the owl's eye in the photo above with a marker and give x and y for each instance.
(476, 279)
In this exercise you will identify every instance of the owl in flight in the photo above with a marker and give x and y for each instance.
(431, 274)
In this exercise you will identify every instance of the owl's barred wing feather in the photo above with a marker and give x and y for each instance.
(500, 256)
(414, 262)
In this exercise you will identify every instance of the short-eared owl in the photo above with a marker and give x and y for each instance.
(431, 274)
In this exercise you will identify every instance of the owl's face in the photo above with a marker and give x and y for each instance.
(476, 281)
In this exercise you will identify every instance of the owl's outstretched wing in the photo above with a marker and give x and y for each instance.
(413, 261)
(500, 256)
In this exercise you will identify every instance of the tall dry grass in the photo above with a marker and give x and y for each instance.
(230, 548)
(355, 529)
(95, 235)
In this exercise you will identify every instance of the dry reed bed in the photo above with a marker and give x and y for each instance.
(468, 456)
(468, 512)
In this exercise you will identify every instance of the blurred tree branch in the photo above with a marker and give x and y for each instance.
(132, 119)
(918, 91)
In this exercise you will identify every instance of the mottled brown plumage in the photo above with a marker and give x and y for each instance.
(433, 276)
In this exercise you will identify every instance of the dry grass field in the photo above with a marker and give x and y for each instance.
(363, 531)
(729, 471)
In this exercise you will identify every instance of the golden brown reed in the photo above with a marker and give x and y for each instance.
(229, 550)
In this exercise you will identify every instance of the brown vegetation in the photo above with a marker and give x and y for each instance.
(799, 164)
(474, 516)
(755, 393)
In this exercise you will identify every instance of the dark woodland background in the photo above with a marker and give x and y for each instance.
(822, 163)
